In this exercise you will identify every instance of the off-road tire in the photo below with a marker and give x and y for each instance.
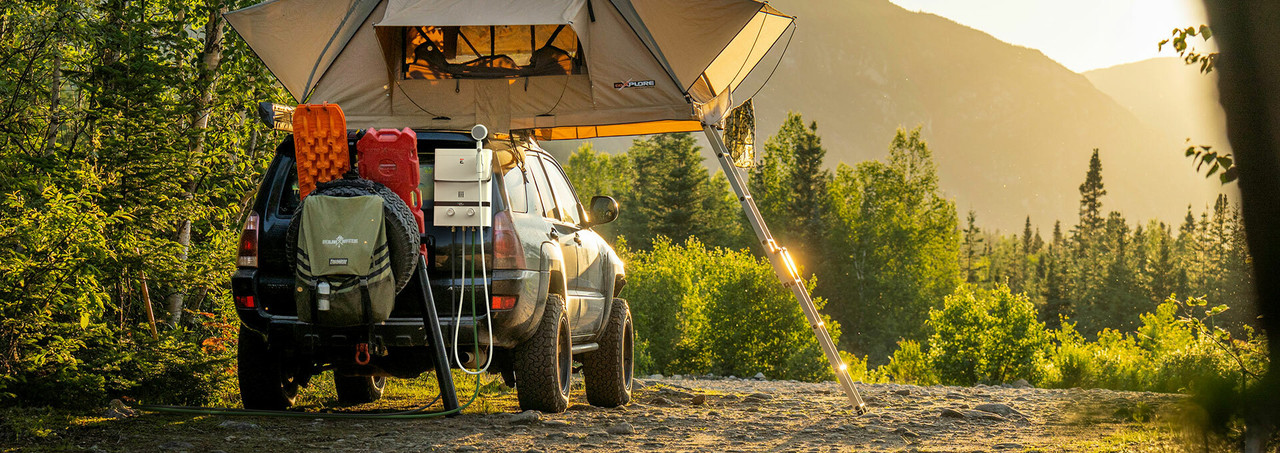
(358, 389)
(401, 227)
(544, 362)
(263, 384)
(609, 370)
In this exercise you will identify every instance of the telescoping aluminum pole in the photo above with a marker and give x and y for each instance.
(785, 268)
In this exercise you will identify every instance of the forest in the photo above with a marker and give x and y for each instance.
(915, 295)
(130, 151)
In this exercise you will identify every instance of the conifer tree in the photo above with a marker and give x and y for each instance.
(972, 243)
(790, 187)
(1091, 193)
(671, 195)
(1026, 236)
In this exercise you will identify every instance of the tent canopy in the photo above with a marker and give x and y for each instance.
(555, 69)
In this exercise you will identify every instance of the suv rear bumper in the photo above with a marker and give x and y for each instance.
(404, 328)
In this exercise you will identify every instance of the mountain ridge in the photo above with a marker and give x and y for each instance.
(1010, 129)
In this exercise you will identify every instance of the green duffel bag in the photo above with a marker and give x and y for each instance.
(343, 265)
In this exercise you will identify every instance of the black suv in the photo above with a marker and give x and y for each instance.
(554, 286)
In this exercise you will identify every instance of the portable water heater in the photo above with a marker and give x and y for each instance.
(464, 185)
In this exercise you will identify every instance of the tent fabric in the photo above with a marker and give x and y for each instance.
(651, 65)
(405, 13)
(299, 55)
(674, 23)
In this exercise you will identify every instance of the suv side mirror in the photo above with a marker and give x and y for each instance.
(603, 210)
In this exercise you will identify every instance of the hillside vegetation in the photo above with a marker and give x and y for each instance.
(1012, 128)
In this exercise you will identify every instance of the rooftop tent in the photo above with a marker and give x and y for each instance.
(557, 69)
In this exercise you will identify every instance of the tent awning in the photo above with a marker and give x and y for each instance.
(299, 55)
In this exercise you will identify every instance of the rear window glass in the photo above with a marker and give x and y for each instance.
(514, 182)
(289, 196)
(427, 181)
(566, 201)
(544, 188)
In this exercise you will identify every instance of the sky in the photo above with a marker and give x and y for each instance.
(1080, 34)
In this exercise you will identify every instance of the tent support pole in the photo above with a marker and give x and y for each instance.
(785, 268)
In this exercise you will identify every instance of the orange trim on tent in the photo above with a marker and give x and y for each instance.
(615, 130)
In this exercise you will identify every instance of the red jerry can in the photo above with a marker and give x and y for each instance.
(390, 157)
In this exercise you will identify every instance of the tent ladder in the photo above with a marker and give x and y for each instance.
(785, 268)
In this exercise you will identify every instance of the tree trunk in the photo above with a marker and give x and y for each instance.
(55, 101)
(211, 59)
(1249, 91)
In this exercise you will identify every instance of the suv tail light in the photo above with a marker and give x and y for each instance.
(507, 251)
(248, 254)
(245, 302)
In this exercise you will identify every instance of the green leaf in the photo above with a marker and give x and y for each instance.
(1217, 310)
(1228, 176)
(1206, 32)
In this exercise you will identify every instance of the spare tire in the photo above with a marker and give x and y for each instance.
(401, 227)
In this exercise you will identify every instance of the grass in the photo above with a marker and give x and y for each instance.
(23, 429)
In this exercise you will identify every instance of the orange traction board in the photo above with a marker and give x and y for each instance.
(319, 145)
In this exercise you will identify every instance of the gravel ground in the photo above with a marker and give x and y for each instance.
(714, 415)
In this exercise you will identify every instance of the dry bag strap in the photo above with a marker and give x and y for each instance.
(315, 303)
(367, 301)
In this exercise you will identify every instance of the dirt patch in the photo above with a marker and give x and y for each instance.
(715, 415)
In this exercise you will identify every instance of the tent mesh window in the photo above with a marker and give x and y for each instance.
(491, 52)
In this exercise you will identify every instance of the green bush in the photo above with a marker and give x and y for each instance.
(909, 365)
(982, 335)
(704, 310)
(1178, 348)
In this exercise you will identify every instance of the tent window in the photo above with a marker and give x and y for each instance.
(491, 51)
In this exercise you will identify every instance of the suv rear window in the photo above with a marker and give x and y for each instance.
(533, 162)
(514, 182)
(566, 200)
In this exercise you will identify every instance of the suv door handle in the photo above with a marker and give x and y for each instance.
(553, 233)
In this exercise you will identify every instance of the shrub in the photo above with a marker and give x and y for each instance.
(987, 335)
(1176, 349)
(704, 310)
(909, 365)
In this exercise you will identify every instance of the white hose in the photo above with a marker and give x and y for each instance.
(488, 317)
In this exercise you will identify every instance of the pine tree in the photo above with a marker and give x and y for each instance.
(1026, 236)
(790, 187)
(972, 242)
(671, 195)
(1091, 193)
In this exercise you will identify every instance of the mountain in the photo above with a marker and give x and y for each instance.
(1166, 93)
(1011, 130)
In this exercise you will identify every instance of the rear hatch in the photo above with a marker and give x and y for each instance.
(450, 251)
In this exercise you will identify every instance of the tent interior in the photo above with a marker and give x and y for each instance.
(494, 51)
